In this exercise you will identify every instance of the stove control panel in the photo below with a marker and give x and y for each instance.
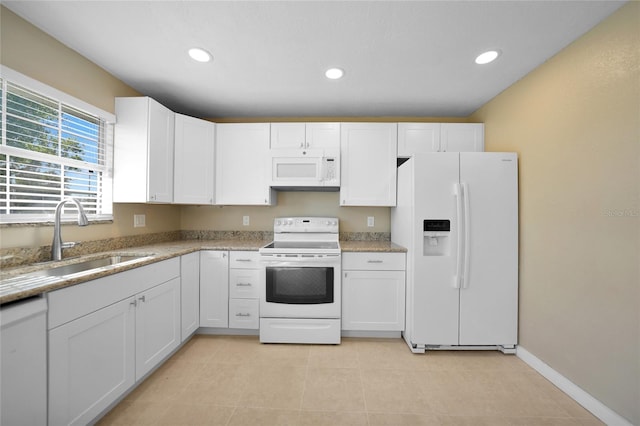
(305, 224)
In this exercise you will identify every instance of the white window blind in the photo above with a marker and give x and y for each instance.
(51, 150)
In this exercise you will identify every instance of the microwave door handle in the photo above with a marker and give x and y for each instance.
(323, 169)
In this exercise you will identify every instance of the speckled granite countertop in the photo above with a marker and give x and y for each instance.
(366, 246)
(16, 284)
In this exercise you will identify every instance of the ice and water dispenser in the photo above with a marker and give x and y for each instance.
(436, 237)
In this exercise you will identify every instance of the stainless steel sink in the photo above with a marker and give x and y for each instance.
(86, 265)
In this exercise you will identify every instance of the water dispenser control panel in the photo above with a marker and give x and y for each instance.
(436, 237)
(436, 226)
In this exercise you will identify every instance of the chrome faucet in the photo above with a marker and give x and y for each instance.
(57, 245)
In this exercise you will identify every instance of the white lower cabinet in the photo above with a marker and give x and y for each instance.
(91, 363)
(243, 313)
(373, 291)
(214, 289)
(244, 279)
(106, 334)
(157, 325)
(190, 293)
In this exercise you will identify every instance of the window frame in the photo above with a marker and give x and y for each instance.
(105, 190)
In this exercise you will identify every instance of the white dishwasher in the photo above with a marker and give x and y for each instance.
(23, 362)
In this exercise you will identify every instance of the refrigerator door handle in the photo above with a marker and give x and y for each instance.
(467, 228)
(457, 192)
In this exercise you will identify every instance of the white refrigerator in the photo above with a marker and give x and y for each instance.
(457, 215)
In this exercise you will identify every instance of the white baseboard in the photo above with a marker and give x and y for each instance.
(596, 407)
(227, 331)
(372, 334)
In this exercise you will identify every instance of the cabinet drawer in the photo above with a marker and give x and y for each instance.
(374, 261)
(73, 302)
(243, 283)
(244, 259)
(243, 313)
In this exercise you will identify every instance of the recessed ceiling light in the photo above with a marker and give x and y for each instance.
(199, 55)
(488, 56)
(334, 73)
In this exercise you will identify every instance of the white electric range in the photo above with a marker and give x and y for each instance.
(300, 291)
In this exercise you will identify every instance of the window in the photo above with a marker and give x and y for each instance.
(51, 149)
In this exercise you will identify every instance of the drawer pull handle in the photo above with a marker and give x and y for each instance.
(243, 284)
(243, 260)
(142, 299)
(240, 314)
(374, 261)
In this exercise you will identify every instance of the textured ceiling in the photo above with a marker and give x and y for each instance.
(401, 58)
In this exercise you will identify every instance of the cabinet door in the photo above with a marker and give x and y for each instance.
(194, 165)
(243, 166)
(157, 325)
(460, 137)
(416, 138)
(161, 147)
(190, 293)
(287, 135)
(373, 300)
(323, 135)
(368, 155)
(214, 289)
(91, 363)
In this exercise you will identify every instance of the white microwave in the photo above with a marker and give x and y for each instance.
(305, 168)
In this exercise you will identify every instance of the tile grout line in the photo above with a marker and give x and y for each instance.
(364, 397)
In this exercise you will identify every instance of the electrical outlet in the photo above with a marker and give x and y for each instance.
(245, 220)
(371, 221)
(139, 221)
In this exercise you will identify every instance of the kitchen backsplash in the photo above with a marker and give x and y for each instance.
(20, 256)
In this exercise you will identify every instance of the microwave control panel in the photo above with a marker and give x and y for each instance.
(330, 167)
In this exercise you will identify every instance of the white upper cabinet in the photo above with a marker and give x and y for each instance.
(194, 161)
(416, 138)
(305, 135)
(243, 166)
(143, 151)
(460, 137)
(368, 170)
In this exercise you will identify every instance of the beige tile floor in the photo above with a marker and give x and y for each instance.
(233, 380)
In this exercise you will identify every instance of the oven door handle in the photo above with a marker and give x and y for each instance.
(304, 263)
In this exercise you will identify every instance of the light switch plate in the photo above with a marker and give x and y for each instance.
(245, 220)
(139, 221)
(371, 221)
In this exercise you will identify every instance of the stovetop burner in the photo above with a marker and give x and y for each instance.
(318, 235)
(324, 245)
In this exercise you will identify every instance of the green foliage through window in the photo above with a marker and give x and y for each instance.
(49, 151)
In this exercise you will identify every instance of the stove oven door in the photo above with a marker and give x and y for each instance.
(300, 287)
